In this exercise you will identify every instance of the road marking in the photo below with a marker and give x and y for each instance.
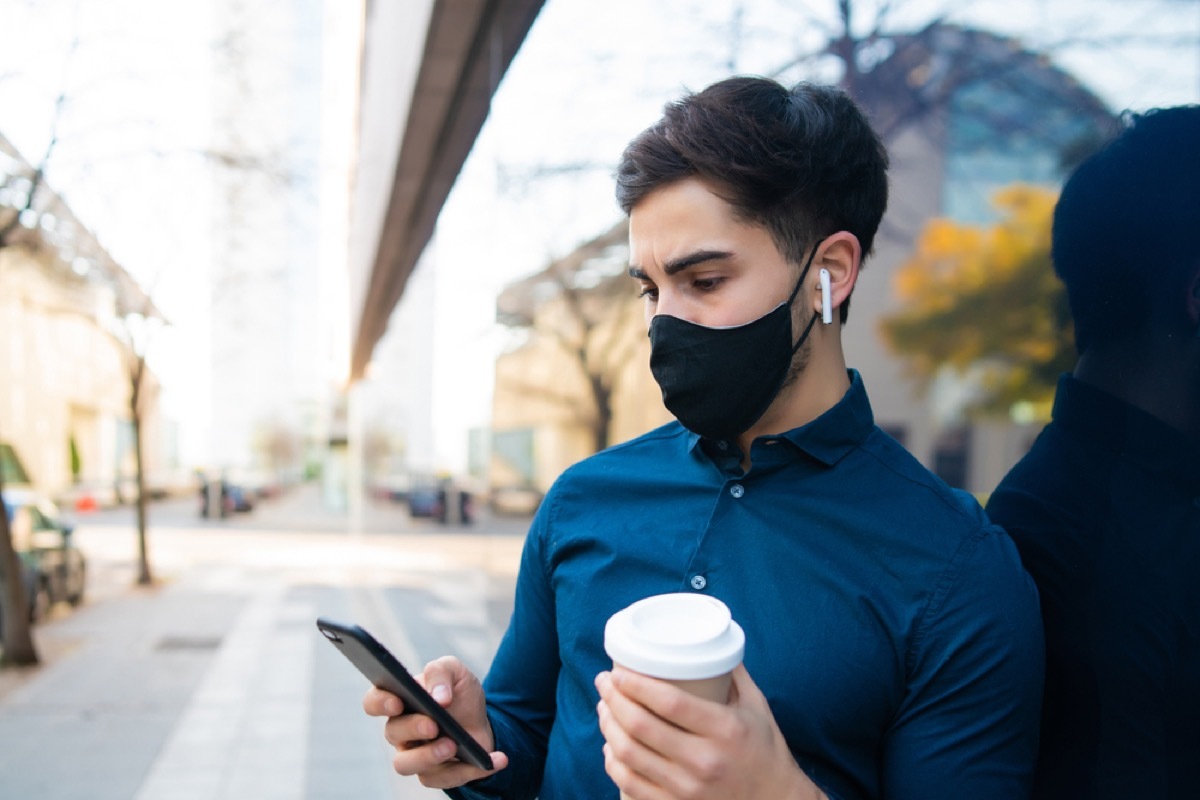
(255, 695)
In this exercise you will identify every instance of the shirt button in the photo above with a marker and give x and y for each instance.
(722, 445)
(699, 582)
(737, 490)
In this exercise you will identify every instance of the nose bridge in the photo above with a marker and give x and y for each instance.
(667, 302)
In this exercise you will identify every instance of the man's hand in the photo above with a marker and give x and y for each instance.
(665, 744)
(418, 752)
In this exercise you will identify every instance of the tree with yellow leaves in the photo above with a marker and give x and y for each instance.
(984, 301)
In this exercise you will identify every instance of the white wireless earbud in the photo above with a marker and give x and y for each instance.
(826, 307)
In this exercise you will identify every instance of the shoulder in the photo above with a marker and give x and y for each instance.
(967, 556)
(912, 493)
(631, 467)
(1051, 490)
(634, 459)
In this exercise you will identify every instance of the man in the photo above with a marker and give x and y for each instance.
(893, 647)
(1105, 508)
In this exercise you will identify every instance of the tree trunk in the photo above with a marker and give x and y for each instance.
(18, 635)
(844, 48)
(602, 424)
(144, 576)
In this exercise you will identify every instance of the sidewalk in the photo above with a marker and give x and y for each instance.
(216, 684)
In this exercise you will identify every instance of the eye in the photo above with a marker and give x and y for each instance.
(649, 291)
(707, 284)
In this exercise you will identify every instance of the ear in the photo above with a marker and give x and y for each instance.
(840, 254)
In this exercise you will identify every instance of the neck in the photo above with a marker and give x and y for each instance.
(1161, 378)
(818, 388)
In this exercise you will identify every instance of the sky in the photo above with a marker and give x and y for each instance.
(588, 78)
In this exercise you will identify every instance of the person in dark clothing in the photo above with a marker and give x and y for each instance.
(1105, 508)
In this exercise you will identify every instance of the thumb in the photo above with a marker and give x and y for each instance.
(745, 691)
(440, 677)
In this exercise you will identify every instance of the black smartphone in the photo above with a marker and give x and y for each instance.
(383, 670)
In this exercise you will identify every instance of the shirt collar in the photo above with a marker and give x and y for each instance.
(1126, 430)
(827, 438)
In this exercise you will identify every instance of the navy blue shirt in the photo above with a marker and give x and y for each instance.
(1105, 510)
(889, 624)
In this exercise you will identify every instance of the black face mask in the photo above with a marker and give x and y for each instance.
(719, 381)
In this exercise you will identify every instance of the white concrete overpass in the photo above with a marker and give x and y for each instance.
(429, 70)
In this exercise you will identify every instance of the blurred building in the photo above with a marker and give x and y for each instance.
(429, 69)
(341, 127)
(575, 378)
(396, 394)
(70, 323)
(964, 113)
(271, 344)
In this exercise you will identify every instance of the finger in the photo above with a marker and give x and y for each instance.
(425, 758)
(683, 710)
(378, 703)
(628, 721)
(409, 730)
(630, 782)
(745, 692)
(448, 773)
(666, 752)
(440, 676)
(635, 739)
(451, 775)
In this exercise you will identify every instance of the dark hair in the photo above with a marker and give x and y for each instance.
(1126, 233)
(803, 163)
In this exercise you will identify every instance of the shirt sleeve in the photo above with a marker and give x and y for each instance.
(968, 726)
(522, 682)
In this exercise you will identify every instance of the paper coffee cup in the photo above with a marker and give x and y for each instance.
(690, 640)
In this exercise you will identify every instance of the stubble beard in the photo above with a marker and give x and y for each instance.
(799, 363)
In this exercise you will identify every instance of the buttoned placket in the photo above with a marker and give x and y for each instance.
(733, 486)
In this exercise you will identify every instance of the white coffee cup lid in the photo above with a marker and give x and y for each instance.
(675, 636)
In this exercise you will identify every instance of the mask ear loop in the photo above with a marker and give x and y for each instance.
(796, 290)
(803, 273)
(826, 303)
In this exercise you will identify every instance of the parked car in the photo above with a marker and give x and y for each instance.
(444, 502)
(55, 570)
(234, 498)
(428, 502)
(237, 499)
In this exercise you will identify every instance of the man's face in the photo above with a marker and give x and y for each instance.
(696, 261)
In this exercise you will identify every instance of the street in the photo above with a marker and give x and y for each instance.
(215, 682)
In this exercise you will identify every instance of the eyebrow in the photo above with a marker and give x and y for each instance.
(683, 262)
